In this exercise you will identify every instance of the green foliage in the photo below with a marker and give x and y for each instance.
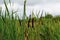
(17, 29)
(48, 16)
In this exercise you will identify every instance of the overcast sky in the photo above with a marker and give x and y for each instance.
(52, 6)
(33, 2)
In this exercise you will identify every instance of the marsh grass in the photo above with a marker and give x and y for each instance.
(44, 28)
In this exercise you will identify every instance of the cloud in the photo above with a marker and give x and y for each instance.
(52, 6)
(32, 2)
(1, 1)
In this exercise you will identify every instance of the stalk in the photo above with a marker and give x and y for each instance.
(6, 8)
(24, 15)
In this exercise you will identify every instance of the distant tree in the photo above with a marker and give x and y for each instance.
(48, 16)
(56, 18)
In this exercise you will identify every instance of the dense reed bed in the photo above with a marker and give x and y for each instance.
(29, 28)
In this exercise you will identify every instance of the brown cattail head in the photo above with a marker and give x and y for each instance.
(32, 22)
(29, 20)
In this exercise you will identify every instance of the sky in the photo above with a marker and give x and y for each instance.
(51, 6)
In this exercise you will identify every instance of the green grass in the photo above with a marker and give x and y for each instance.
(45, 28)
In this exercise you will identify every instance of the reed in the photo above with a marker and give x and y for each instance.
(16, 29)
